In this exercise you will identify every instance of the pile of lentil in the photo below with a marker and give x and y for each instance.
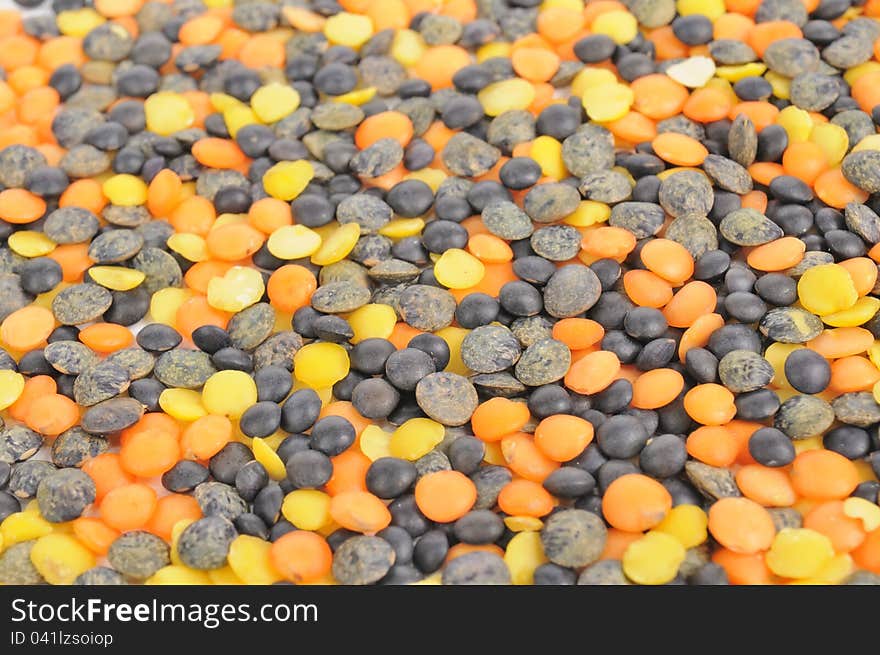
(440, 291)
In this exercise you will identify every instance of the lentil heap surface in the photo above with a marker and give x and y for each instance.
(440, 291)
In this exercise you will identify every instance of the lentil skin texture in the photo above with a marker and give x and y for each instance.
(457, 292)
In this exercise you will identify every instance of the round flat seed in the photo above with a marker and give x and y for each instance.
(252, 326)
(426, 308)
(112, 416)
(749, 227)
(543, 362)
(790, 325)
(490, 349)
(100, 382)
(71, 225)
(340, 297)
(573, 538)
(571, 290)
(802, 417)
(469, 156)
(506, 220)
(643, 219)
(366, 210)
(137, 362)
(81, 303)
(69, 357)
(159, 267)
(184, 369)
(115, 246)
(685, 193)
(447, 398)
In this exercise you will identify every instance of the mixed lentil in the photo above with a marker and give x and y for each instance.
(440, 292)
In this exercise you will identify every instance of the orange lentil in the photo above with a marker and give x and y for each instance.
(777, 255)
(835, 190)
(196, 312)
(128, 507)
(301, 556)
(658, 96)
(863, 272)
(52, 414)
(193, 215)
(218, 153)
(497, 417)
(269, 214)
(20, 206)
(647, 289)
(635, 503)
(804, 160)
(656, 388)
(693, 300)
(712, 445)
(360, 511)
(27, 328)
(563, 437)
(489, 249)
(823, 475)
(852, 373)
(710, 404)
(149, 453)
(842, 342)
(349, 472)
(234, 241)
(846, 533)
(525, 498)
(593, 373)
(578, 333)
(616, 543)
(164, 193)
(770, 487)
(698, 333)
(205, 437)
(107, 473)
(445, 496)
(34, 387)
(741, 525)
(439, 63)
(743, 569)
(169, 510)
(94, 534)
(668, 259)
(384, 125)
(612, 242)
(106, 337)
(707, 105)
(525, 459)
(679, 149)
(867, 556)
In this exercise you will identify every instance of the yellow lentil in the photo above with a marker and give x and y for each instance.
(60, 558)
(11, 386)
(293, 242)
(826, 289)
(182, 404)
(654, 559)
(274, 101)
(307, 509)
(458, 269)
(168, 112)
(506, 95)
(287, 179)
(524, 553)
(320, 364)
(337, 244)
(240, 287)
(416, 438)
(229, 393)
(117, 278)
(799, 553)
